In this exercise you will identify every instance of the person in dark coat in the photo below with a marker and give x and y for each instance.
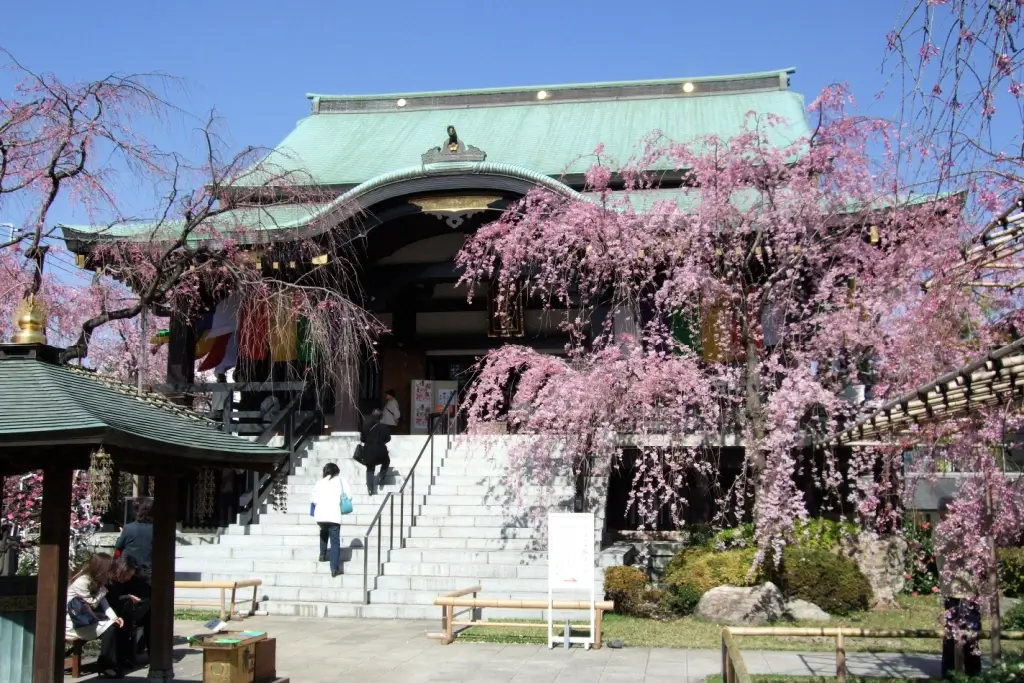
(124, 593)
(375, 438)
(136, 542)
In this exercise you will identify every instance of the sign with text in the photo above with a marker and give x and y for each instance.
(570, 550)
(571, 566)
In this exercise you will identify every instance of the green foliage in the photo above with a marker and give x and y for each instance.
(830, 581)
(736, 537)
(921, 572)
(681, 599)
(626, 586)
(1013, 620)
(707, 569)
(1010, 670)
(1011, 572)
(823, 534)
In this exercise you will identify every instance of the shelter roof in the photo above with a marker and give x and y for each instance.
(49, 405)
(993, 379)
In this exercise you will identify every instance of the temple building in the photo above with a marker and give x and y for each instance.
(413, 174)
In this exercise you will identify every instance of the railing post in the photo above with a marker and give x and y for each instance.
(840, 658)
(391, 531)
(401, 513)
(725, 659)
(254, 516)
(366, 568)
(431, 440)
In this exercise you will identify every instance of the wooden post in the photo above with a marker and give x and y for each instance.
(165, 513)
(231, 605)
(449, 629)
(840, 657)
(255, 599)
(725, 660)
(597, 628)
(52, 589)
(223, 596)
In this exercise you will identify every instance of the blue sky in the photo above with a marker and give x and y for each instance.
(255, 61)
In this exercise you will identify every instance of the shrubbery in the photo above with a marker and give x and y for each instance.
(830, 581)
(707, 569)
(1011, 572)
(922, 575)
(1010, 670)
(626, 586)
(681, 599)
(1013, 620)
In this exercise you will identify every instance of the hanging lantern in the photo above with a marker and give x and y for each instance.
(101, 470)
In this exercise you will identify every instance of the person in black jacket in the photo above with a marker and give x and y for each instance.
(375, 438)
(124, 593)
(136, 542)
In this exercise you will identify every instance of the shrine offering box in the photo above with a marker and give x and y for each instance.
(229, 656)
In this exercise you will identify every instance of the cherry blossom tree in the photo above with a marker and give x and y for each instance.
(801, 266)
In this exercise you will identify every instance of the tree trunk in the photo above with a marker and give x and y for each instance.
(753, 410)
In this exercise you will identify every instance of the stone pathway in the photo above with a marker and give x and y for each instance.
(377, 651)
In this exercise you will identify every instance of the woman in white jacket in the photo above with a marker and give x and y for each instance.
(89, 616)
(326, 511)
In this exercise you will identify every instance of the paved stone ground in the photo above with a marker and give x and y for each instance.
(370, 651)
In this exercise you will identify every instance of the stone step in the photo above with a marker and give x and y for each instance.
(465, 557)
(311, 531)
(432, 510)
(489, 533)
(448, 584)
(442, 488)
(497, 521)
(413, 597)
(254, 568)
(408, 612)
(434, 542)
(351, 578)
(214, 554)
(475, 572)
(510, 502)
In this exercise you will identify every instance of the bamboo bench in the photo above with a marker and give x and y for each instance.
(227, 609)
(73, 658)
(450, 601)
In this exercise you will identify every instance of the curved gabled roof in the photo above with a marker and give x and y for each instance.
(350, 139)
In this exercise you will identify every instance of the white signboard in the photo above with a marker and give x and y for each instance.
(571, 564)
(422, 394)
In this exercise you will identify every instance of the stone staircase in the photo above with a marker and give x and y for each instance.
(467, 530)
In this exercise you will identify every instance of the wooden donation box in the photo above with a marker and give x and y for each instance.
(237, 657)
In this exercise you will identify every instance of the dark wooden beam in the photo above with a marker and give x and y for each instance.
(181, 351)
(165, 517)
(51, 591)
(552, 343)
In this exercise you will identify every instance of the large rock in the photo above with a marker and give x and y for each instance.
(801, 610)
(883, 560)
(736, 606)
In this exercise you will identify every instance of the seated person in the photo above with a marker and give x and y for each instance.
(128, 596)
(89, 616)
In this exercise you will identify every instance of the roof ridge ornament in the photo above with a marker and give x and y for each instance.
(453, 149)
(30, 321)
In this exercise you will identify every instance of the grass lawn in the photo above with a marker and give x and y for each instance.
(822, 679)
(195, 615)
(688, 632)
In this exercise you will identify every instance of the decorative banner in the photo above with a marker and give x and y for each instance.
(253, 321)
(283, 328)
(422, 395)
(505, 321)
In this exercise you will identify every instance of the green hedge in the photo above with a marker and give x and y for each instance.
(707, 569)
(626, 586)
(1011, 572)
(830, 581)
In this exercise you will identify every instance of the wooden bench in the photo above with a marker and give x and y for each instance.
(227, 609)
(74, 660)
(450, 601)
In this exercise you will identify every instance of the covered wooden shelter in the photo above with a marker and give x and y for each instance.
(54, 417)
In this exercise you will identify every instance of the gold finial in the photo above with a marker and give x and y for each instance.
(30, 321)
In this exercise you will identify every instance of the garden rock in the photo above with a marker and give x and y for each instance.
(882, 560)
(737, 606)
(801, 610)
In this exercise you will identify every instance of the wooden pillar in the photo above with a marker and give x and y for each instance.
(181, 352)
(165, 516)
(52, 589)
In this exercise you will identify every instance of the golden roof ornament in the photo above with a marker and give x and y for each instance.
(30, 321)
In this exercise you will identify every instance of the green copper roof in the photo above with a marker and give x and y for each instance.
(349, 140)
(58, 404)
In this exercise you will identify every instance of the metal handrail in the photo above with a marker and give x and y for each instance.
(389, 500)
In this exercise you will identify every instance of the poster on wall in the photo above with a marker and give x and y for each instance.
(443, 391)
(422, 395)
